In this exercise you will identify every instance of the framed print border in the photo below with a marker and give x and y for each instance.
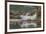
(22, 2)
